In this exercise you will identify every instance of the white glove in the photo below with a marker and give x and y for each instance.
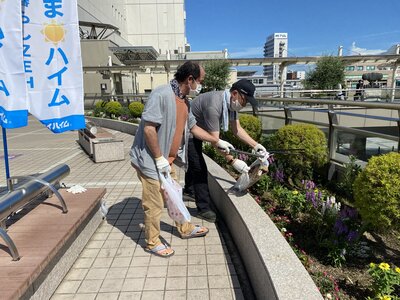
(259, 149)
(224, 146)
(240, 166)
(162, 165)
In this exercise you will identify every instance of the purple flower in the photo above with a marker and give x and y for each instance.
(352, 236)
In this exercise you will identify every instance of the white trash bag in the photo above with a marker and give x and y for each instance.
(173, 197)
(257, 168)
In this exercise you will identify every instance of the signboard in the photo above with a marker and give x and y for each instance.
(52, 63)
(13, 104)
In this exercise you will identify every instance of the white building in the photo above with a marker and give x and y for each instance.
(275, 46)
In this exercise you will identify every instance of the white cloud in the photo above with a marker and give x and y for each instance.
(354, 50)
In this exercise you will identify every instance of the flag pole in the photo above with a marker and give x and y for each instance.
(6, 158)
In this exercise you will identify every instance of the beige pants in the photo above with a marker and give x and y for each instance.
(153, 204)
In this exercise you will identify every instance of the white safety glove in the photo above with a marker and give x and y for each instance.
(224, 146)
(162, 165)
(259, 149)
(240, 166)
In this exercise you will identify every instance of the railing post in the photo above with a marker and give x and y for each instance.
(332, 136)
(288, 115)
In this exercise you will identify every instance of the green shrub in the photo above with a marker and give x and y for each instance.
(113, 108)
(100, 104)
(125, 111)
(253, 127)
(311, 140)
(136, 109)
(377, 192)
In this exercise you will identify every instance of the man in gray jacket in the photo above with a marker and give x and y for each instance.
(214, 111)
(162, 137)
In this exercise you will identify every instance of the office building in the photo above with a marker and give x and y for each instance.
(275, 46)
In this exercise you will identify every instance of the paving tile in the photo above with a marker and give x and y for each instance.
(153, 295)
(130, 296)
(198, 282)
(154, 284)
(116, 273)
(213, 270)
(158, 271)
(198, 294)
(98, 273)
(90, 286)
(175, 295)
(112, 285)
(76, 274)
(121, 262)
(220, 294)
(133, 284)
(68, 287)
(137, 272)
(218, 282)
(177, 271)
(175, 283)
(107, 296)
(197, 259)
(197, 270)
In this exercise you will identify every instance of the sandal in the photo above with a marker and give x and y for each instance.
(198, 231)
(161, 251)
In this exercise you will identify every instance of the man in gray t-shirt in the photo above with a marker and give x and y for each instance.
(214, 111)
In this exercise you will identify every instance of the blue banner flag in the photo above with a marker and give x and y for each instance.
(13, 92)
(52, 63)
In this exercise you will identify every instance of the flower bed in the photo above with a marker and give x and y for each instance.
(346, 257)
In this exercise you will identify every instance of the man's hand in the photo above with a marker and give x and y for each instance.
(224, 146)
(240, 166)
(162, 165)
(259, 149)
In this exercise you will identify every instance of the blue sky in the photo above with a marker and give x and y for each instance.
(314, 27)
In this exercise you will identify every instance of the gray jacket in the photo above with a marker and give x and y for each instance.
(160, 108)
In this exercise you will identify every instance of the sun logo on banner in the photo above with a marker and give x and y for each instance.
(53, 32)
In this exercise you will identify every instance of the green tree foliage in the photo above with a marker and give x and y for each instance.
(136, 109)
(253, 127)
(328, 73)
(217, 75)
(377, 192)
(314, 153)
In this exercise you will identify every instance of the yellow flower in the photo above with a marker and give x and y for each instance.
(316, 191)
(295, 192)
(384, 266)
(385, 298)
(397, 270)
(372, 265)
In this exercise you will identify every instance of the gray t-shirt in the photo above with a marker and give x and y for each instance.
(208, 110)
(160, 108)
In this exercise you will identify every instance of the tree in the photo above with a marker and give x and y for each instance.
(217, 75)
(328, 73)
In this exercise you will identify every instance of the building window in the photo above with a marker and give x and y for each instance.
(370, 68)
(360, 68)
(260, 81)
(350, 68)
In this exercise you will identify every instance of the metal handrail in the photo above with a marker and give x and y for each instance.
(331, 108)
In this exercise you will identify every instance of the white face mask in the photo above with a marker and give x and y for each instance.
(235, 105)
(196, 91)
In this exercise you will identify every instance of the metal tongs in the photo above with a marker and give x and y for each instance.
(271, 152)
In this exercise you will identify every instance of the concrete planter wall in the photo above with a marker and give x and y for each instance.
(122, 126)
(274, 270)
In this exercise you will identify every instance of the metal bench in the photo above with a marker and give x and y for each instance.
(17, 199)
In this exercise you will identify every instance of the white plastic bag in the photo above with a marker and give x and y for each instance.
(257, 168)
(173, 198)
